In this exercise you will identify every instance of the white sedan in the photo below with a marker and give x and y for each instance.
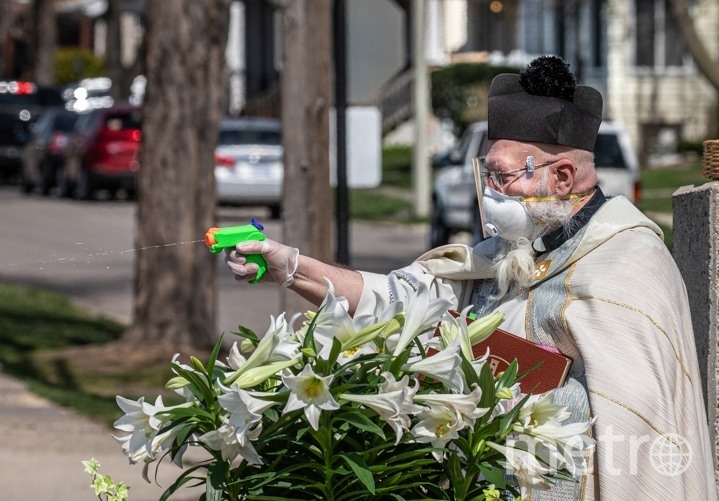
(248, 163)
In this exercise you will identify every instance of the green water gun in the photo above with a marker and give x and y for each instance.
(218, 239)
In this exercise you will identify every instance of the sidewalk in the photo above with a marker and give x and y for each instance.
(43, 446)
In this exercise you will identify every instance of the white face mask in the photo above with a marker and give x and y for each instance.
(506, 217)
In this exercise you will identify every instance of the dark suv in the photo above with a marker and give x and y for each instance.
(21, 103)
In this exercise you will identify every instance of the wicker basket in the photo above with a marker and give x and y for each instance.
(711, 159)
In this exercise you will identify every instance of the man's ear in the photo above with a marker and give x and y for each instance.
(564, 175)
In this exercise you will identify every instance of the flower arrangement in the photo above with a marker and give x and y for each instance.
(381, 406)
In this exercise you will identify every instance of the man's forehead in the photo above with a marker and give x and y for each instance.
(504, 150)
(510, 150)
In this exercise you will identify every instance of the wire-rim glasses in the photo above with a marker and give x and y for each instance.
(499, 178)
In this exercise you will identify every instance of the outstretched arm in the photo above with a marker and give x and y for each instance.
(302, 274)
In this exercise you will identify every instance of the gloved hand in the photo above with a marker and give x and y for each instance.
(281, 261)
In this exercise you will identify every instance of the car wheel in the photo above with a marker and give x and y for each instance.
(66, 187)
(47, 177)
(84, 189)
(26, 186)
(438, 232)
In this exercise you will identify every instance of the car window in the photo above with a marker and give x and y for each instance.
(480, 146)
(122, 121)
(246, 136)
(608, 152)
(460, 152)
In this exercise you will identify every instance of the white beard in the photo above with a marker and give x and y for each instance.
(514, 266)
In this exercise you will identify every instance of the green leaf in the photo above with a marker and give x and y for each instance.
(359, 467)
(362, 422)
(215, 480)
(198, 385)
(456, 477)
(213, 355)
(508, 419)
(509, 376)
(184, 478)
(247, 334)
(493, 475)
(486, 382)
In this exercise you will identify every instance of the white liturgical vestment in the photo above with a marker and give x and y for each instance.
(612, 299)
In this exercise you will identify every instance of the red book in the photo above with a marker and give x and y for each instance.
(504, 347)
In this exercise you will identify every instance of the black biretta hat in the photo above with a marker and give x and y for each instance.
(544, 104)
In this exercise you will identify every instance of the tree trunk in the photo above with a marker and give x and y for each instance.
(113, 59)
(44, 41)
(6, 20)
(708, 67)
(175, 293)
(306, 101)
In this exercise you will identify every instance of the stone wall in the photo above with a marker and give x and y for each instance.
(696, 252)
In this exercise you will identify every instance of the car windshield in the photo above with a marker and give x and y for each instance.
(247, 136)
(608, 152)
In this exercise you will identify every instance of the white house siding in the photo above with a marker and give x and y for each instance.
(675, 97)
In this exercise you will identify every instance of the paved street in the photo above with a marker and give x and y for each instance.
(86, 251)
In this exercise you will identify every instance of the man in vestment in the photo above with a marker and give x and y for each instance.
(571, 268)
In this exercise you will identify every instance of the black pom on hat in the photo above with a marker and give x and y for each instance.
(544, 104)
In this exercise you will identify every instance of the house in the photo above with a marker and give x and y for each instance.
(631, 51)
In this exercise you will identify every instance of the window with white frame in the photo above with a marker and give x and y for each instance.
(658, 42)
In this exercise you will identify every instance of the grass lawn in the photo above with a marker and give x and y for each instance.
(68, 356)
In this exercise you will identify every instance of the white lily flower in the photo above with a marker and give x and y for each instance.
(356, 335)
(310, 392)
(470, 331)
(236, 359)
(464, 405)
(182, 389)
(443, 366)
(541, 419)
(438, 424)
(275, 346)
(143, 421)
(540, 409)
(244, 409)
(226, 440)
(422, 315)
(393, 403)
(526, 468)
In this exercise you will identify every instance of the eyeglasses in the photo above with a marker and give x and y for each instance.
(499, 178)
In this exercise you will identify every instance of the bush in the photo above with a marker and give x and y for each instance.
(459, 92)
(74, 63)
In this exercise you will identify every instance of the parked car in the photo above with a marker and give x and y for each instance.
(248, 163)
(102, 152)
(454, 195)
(43, 156)
(21, 104)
